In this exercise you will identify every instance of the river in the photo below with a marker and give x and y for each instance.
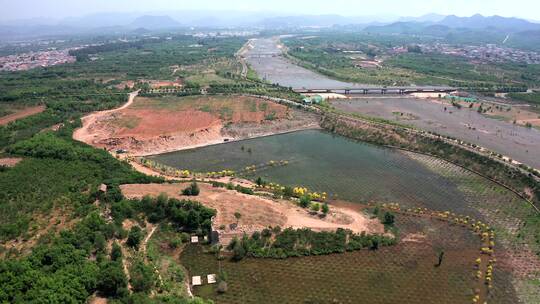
(519, 143)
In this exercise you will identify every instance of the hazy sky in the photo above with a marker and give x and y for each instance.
(20, 9)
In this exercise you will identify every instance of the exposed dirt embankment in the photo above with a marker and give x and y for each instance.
(21, 114)
(258, 212)
(156, 125)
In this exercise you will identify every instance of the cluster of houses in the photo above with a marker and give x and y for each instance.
(27, 61)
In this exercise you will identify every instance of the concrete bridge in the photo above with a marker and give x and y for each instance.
(377, 90)
(262, 55)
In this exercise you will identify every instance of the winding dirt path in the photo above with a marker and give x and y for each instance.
(147, 238)
(85, 134)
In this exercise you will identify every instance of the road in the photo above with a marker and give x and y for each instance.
(83, 133)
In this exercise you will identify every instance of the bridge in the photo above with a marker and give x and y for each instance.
(376, 90)
(262, 55)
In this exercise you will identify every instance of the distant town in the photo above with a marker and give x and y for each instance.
(27, 61)
(484, 53)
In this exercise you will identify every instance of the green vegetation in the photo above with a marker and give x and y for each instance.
(362, 274)
(532, 98)
(69, 176)
(185, 215)
(303, 242)
(134, 237)
(349, 57)
(192, 190)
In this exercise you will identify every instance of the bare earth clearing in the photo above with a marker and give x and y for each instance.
(156, 125)
(9, 161)
(258, 212)
(21, 114)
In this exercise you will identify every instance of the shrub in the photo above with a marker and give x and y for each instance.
(116, 252)
(305, 201)
(192, 190)
(134, 237)
(389, 218)
(142, 277)
(111, 279)
(325, 209)
(222, 287)
(238, 251)
(175, 243)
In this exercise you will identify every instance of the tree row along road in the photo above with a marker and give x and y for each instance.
(458, 143)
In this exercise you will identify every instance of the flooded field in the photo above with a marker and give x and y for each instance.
(520, 143)
(345, 169)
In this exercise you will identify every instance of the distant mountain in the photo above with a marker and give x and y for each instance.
(100, 20)
(155, 22)
(425, 18)
(480, 22)
(320, 20)
(396, 28)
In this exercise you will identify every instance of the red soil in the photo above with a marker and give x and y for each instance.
(21, 114)
(155, 123)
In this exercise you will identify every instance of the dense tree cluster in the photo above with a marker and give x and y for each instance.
(185, 215)
(303, 242)
(61, 271)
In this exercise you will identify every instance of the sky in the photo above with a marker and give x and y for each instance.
(59, 9)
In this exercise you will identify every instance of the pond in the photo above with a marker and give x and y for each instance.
(321, 161)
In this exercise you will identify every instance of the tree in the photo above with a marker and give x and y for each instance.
(134, 237)
(116, 252)
(441, 255)
(143, 277)
(112, 279)
(325, 209)
(238, 251)
(237, 215)
(389, 218)
(192, 190)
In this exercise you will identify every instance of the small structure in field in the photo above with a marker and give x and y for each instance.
(211, 278)
(103, 188)
(315, 99)
(196, 281)
(194, 239)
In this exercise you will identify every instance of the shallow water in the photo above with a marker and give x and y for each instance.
(265, 60)
(320, 161)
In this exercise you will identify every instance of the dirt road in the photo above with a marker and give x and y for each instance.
(85, 133)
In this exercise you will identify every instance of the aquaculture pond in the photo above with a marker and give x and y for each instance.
(320, 161)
